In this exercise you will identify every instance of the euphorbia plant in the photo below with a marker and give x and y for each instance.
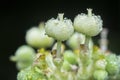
(82, 61)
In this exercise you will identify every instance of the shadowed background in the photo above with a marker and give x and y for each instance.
(18, 16)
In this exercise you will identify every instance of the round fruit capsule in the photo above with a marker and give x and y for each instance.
(60, 29)
(75, 40)
(112, 64)
(88, 24)
(24, 56)
(70, 57)
(36, 37)
(66, 66)
(101, 64)
(100, 75)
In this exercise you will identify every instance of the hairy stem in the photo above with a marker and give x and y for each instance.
(58, 49)
(87, 40)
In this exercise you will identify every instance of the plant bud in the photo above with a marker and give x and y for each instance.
(70, 57)
(112, 64)
(100, 75)
(101, 64)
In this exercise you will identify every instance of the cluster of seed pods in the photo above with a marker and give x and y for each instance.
(66, 51)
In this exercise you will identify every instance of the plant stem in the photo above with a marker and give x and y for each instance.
(58, 49)
(87, 40)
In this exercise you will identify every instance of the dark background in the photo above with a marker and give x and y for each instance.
(18, 16)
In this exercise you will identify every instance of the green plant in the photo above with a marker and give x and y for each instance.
(81, 60)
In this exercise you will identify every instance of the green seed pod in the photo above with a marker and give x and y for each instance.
(101, 64)
(24, 56)
(112, 64)
(112, 67)
(89, 24)
(75, 40)
(36, 38)
(100, 75)
(60, 29)
(66, 66)
(70, 57)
